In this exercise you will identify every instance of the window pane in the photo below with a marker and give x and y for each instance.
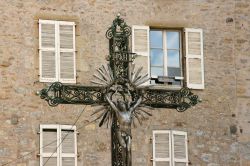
(156, 39)
(156, 71)
(173, 71)
(156, 57)
(173, 40)
(173, 58)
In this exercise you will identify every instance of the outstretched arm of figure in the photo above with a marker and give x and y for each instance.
(112, 105)
(136, 105)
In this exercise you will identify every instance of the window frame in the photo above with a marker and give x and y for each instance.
(165, 55)
(59, 155)
(171, 158)
(57, 50)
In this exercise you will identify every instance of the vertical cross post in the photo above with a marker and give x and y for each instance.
(119, 61)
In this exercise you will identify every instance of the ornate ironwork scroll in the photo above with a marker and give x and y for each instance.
(178, 99)
(58, 93)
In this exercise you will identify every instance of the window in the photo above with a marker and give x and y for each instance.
(165, 55)
(160, 52)
(57, 51)
(58, 146)
(170, 148)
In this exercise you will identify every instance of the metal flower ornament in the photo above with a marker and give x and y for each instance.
(119, 96)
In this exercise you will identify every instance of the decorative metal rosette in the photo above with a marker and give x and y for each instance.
(118, 28)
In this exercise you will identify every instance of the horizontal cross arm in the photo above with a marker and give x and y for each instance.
(58, 93)
(179, 99)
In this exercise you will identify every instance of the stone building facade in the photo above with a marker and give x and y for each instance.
(218, 129)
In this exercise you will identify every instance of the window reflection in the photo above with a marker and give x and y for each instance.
(173, 40)
(156, 39)
(165, 54)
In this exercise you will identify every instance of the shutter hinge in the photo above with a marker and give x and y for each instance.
(38, 155)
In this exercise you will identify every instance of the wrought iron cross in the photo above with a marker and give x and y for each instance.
(119, 95)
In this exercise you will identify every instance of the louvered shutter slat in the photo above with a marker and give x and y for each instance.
(180, 164)
(49, 140)
(68, 145)
(48, 65)
(68, 161)
(140, 46)
(67, 53)
(67, 36)
(161, 148)
(47, 51)
(162, 163)
(195, 74)
(194, 58)
(49, 161)
(68, 148)
(67, 65)
(141, 40)
(179, 146)
(48, 35)
(49, 143)
(179, 143)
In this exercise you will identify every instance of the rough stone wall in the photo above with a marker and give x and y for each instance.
(211, 125)
(242, 43)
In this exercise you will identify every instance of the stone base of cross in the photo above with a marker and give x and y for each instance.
(119, 94)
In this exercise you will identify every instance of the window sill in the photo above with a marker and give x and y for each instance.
(163, 87)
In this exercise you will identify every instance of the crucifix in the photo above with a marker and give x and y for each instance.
(121, 93)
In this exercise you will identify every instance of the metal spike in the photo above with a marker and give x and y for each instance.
(97, 110)
(103, 119)
(137, 73)
(141, 78)
(103, 75)
(146, 106)
(141, 82)
(149, 114)
(99, 116)
(135, 114)
(110, 72)
(106, 71)
(131, 73)
(100, 78)
(98, 83)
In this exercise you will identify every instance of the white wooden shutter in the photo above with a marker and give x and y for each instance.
(179, 148)
(47, 51)
(194, 58)
(49, 142)
(161, 148)
(66, 55)
(140, 46)
(69, 146)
